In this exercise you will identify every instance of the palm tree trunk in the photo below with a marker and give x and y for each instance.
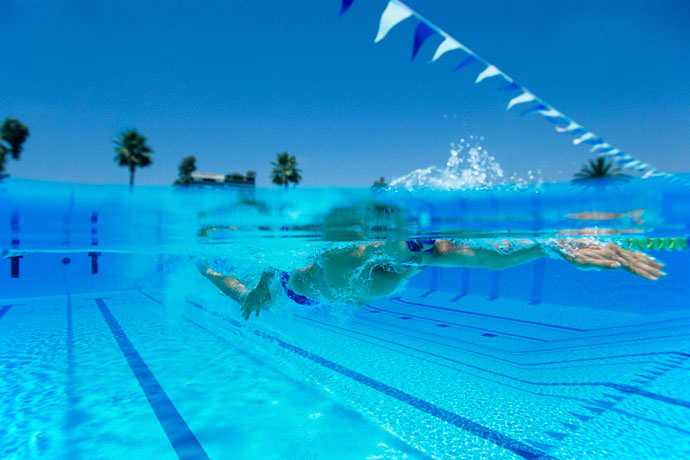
(131, 177)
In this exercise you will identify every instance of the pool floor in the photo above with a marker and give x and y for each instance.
(418, 375)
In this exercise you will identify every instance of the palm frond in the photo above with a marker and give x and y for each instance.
(599, 169)
(285, 170)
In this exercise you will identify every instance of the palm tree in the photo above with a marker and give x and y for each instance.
(285, 170)
(379, 184)
(185, 170)
(599, 169)
(12, 136)
(132, 152)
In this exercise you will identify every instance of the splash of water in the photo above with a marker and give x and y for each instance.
(470, 166)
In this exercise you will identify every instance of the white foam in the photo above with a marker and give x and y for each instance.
(470, 166)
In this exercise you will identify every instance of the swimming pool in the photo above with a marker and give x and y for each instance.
(113, 345)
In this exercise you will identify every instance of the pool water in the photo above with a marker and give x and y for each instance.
(112, 345)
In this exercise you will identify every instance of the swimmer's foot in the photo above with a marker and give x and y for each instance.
(259, 296)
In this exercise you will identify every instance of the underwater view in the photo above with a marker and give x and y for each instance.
(116, 343)
(368, 293)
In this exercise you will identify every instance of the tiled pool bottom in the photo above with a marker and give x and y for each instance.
(113, 377)
(125, 374)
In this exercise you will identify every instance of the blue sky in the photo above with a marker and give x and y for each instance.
(234, 82)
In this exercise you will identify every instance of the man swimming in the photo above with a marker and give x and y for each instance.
(361, 273)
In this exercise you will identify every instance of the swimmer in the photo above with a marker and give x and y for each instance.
(362, 273)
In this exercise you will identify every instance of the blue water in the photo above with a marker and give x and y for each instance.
(112, 344)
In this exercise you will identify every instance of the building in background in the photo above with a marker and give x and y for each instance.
(235, 181)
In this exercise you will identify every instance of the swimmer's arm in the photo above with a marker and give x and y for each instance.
(205, 231)
(583, 253)
(447, 254)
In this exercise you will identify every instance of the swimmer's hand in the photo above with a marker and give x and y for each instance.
(248, 309)
(259, 297)
(611, 256)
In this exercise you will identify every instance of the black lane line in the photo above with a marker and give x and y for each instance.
(647, 394)
(72, 416)
(516, 320)
(629, 389)
(4, 310)
(184, 442)
(617, 386)
(495, 437)
(498, 358)
(522, 389)
(463, 326)
(485, 315)
(378, 309)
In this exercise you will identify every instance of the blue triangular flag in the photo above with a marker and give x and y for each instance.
(346, 5)
(510, 87)
(421, 33)
(468, 60)
(536, 108)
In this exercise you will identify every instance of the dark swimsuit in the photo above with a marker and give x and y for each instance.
(426, 246)
(300, 299)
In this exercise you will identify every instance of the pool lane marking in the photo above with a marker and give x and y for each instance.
(400, 299)
(72, 414)
(179, 434)
(489, 355)
(5, 309)
(628, 389)
(495, 437)
(378, 310)
(461, 325)
(485, 315)
(523, 389)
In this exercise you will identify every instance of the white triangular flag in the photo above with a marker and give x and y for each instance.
(521, 99)
(603, 145)
(586, 136)
(490, 71)
(630, 164)
(572, 126)
(550, 113)
(449, 44)
(610, 153)
(394, 13)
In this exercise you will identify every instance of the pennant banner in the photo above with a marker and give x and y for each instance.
(448, 44)
(521, 99)
(396, 12)
(346, 5)
(468, 60)
(489, 72)
(422, 32)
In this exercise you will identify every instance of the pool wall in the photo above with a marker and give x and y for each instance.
(556, 282)
(35, 275)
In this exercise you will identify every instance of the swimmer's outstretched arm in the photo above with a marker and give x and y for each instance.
(583, 253)
(447, 254)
